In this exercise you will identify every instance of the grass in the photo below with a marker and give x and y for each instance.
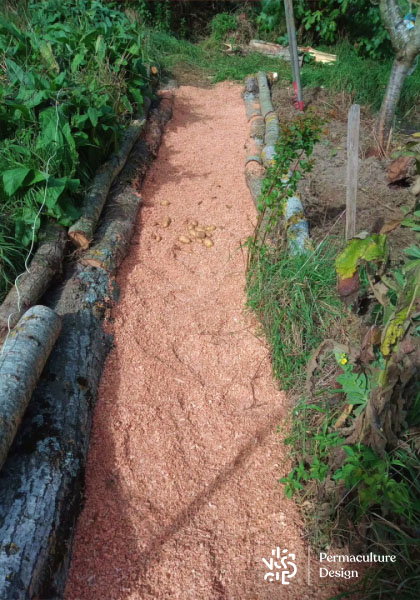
(364, 79)
(296, 301)
(206, 58)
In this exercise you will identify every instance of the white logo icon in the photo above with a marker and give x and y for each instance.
(287, 568)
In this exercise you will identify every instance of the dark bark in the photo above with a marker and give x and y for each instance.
(41, 481)
(41, 484)
(81, 232)
(45, 264)
(406, 44)
(117, 226)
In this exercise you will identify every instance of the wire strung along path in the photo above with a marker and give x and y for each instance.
(182, 499)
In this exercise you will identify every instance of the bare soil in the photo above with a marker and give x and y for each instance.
(324, 189)
(182, 498)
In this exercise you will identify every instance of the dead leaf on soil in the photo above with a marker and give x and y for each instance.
(390, 226)
(399, 169)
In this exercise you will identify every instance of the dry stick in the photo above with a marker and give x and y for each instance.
(81, 233)
(21, 362)
(353, 129)
(33, 284)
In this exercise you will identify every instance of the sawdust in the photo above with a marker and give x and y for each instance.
(182, 499)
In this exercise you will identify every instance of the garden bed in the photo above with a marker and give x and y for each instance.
(354, 431)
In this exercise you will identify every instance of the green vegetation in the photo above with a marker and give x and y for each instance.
(73, 77)
(359, 21)
(293, 295)
(296, 302)
(353, 434)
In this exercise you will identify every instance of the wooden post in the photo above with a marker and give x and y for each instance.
(353, 129)
(294, 55)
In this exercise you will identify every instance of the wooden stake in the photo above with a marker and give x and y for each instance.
(353, 129)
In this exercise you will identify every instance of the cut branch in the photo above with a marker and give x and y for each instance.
(45, 264)
(81, 233)
(115, 231)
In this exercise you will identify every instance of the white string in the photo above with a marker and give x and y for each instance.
(27, 270)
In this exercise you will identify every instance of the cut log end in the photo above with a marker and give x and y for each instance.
(79, 239)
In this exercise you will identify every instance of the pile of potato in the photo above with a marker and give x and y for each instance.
(198, 233)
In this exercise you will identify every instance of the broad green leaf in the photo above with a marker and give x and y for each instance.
(93, 115)
(77, 61)
(371, 248)
(13, 179)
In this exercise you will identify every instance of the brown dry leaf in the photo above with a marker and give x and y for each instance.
(390, 226)
(398, 169)
(348, 288)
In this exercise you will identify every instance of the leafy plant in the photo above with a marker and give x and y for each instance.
(73, 77)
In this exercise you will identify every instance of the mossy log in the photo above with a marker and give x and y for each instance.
(22, 359)
(81, 232)
(120, 215)
(296, 226)
(41, 483)
(270, 118)
(32, 285)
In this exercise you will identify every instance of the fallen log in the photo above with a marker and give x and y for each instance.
(32, 285)
(120, 215)
(41, 483)
(272, 49)
(270, 119)
(22, 359)
(296, 226)
(81, 232)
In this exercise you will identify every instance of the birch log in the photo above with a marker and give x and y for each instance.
(45, 264)
(270, 119)
(81, 232)
(22, 359)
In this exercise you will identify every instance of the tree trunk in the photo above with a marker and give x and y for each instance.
(400, 69)
(45, 263)
(41, 483)
(81, 232)
(22, 359)
(406, 44)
